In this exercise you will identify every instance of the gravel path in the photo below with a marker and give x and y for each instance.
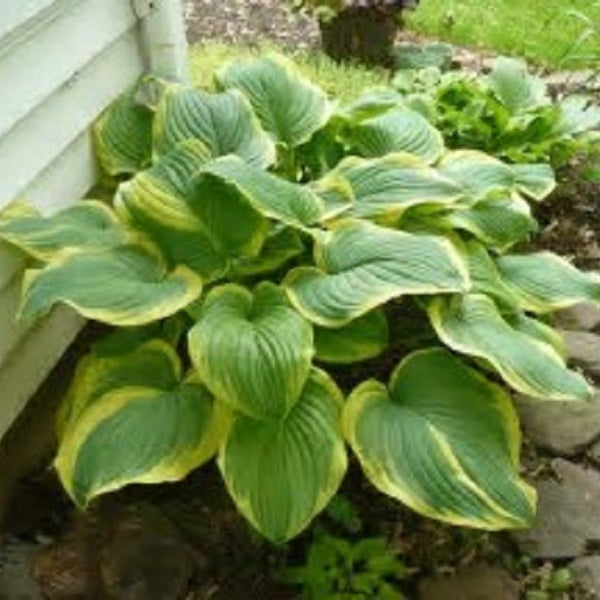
(249, 22)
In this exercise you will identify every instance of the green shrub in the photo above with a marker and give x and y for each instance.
(261, 233)
(508, 113)
(337, 569)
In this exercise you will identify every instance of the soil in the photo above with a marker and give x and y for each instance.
(570, 219)
(250, 22)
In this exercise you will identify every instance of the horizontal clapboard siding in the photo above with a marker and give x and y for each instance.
(61, 63)
(77, 34)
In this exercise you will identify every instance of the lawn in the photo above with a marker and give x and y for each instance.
(555, 33)
(344, 82)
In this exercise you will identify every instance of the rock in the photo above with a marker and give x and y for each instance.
(16, 579)
(586, 572)
(121, 551)
(565, 428)
(479, 582)
(581, 317)
(67, 570)
(567, 519)
(594, 453)
(146, 557)
(583, 349)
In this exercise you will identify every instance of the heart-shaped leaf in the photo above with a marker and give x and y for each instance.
(152, 364)
(390, 185)
(271, 196)
(125, 285)
(224, 122)
(123, 137)
(281, 473)
(289, 106)
(472, 325)
(544, 282)
(88, 225)
(251, 349)
(361, 266)
(189, 216)
(138, 435)
(443, 440)
(397, 130)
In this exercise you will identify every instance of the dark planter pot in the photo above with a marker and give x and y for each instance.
(363, 34)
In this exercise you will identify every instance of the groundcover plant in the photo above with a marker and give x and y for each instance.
(508, 112)
(260, 233)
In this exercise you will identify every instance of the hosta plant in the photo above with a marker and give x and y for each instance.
(260, 236)
(509, 112)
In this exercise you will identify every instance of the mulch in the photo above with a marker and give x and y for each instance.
(249, 22)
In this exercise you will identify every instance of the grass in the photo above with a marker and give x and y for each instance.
(554, 33)
(343, 82)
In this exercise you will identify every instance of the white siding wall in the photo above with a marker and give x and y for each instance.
(61, 63)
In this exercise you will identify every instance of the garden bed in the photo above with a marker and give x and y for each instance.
(209, 551)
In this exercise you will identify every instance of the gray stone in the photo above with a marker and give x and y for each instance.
(120, 551)
(586, 572)
(146, 558)
(583, 349)
(594, 453)
(479, 582)
(581, 317)
(565, 428)
(16, 578)
(567, 518)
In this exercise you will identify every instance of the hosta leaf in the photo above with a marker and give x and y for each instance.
(125, 285)
(514, 86)
(482, 175)
(123, 137)
(499, 223)
(273, 197)
(251, 349)
(147, 205)
(289, 106)
(397, 130)
(218, 204)
(544, 282)
(443, 440)
(361, 339)
(479, 174)
(486, 278)
(189, 218)
(176, 169)
(280, 245)
(361, 266)
(538, 329)
(88, 225)
(138, 435)
(372, 103)
(281, 473)
(335, 193)
(394, 183)
(578, 114)
(224, 122)
(472, 325)
(535, 181)
(319, 155)
(153, 363)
